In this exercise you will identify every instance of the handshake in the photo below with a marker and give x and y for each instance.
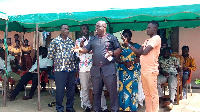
(76, 48)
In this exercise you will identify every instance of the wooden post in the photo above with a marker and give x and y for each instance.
(38, 67)
(109, 26)
(5, 79)
(175, 39)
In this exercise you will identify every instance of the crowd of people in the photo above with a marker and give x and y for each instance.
(130, 72)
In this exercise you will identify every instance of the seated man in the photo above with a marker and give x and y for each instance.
(10, 61)
(45, 64)
(188, 64)
(169, 67)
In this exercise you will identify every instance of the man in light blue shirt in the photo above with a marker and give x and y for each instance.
(45, 64)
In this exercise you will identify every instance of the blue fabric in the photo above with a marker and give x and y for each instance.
(51, 76)
(137, 46)
(185, 78)
(128, 81)
(62, 80)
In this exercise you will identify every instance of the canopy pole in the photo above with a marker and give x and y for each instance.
(5, 79)
(110, 28)
(38, 67)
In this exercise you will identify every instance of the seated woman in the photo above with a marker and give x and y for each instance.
(26, 58)
(129, 75)
(16, 50)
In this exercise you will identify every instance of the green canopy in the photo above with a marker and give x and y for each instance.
(12, 26)
(117, 19)
(3, 18)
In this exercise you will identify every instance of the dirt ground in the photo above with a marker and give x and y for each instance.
(191, 104)
(31, 105)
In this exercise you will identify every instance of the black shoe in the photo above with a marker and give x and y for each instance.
(11, 98)
(26, 98)
(106, 110)
(70, 110)
(87, 109)
(60, 111)
(43, 90)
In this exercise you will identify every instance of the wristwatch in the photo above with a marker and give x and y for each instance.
(129, 45)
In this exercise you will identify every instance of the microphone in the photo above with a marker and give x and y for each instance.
(84, 39)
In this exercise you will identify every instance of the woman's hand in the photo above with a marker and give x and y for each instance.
(128, 64)
(125, 40)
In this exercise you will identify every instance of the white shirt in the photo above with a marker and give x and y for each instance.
(85, 63)
(2, 62)
(43, 62)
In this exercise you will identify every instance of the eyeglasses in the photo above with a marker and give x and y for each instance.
(97, 26)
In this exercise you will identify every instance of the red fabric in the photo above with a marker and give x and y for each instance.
(44, 76)
(190, 78)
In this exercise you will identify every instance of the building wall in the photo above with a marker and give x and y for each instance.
(139, 37)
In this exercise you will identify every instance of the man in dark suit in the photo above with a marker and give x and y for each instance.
(104, 46)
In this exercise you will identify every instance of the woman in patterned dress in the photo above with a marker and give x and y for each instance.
(129, 74)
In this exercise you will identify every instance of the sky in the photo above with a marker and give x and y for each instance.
(20, 7)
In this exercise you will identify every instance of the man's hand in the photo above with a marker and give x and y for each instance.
(76, 74)
(110, 53)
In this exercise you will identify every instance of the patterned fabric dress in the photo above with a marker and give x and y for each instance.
(128, 81)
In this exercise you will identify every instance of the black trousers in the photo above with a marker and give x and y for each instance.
(23, 81)
(111, 85)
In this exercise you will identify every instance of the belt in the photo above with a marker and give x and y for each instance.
(101, 64)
